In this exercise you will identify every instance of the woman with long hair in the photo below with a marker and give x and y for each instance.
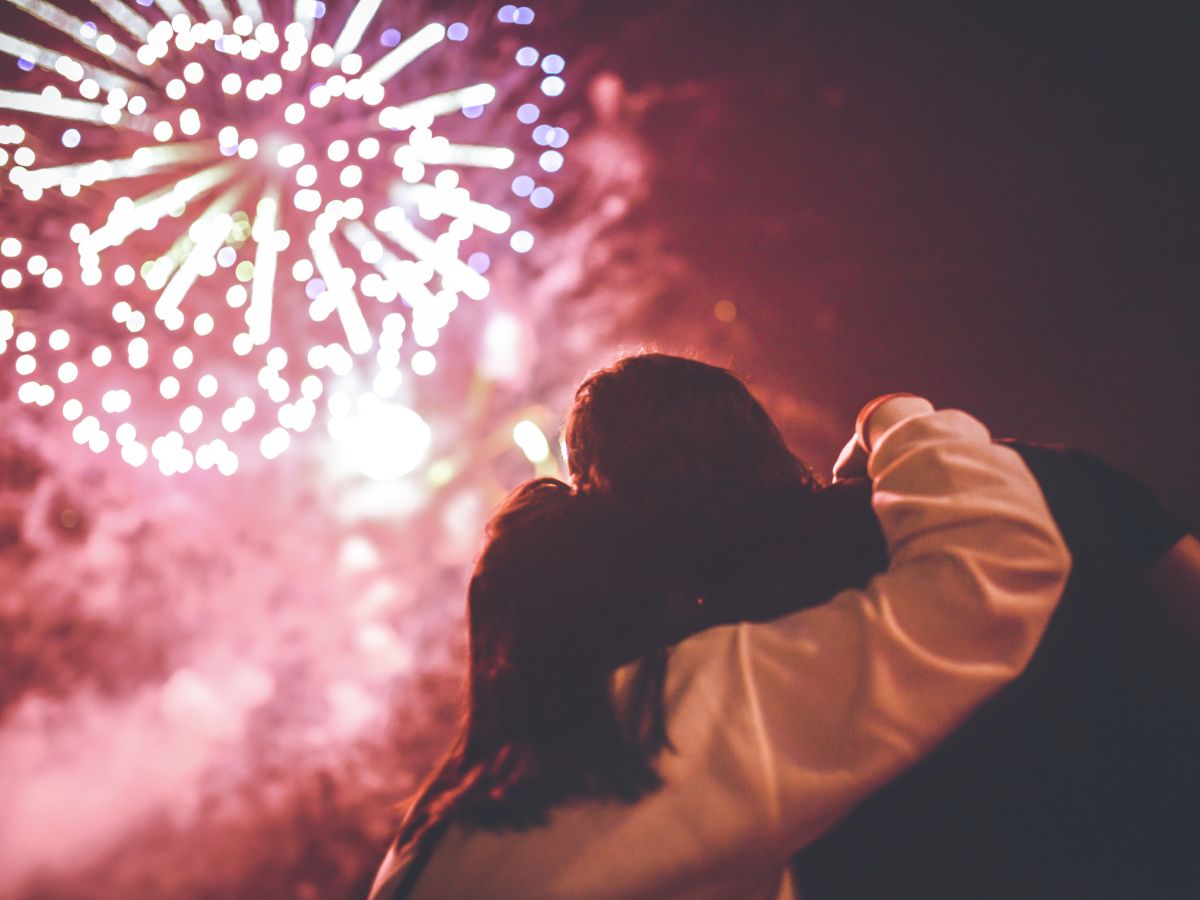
(589, 767)
(556, 595)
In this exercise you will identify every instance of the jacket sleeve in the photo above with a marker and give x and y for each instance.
(795, 720)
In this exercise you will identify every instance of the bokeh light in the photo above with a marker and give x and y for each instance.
(211, 152)
(210, 668)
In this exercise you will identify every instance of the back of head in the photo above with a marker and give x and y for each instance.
(691, 456)
(556, 594)
(558, 585)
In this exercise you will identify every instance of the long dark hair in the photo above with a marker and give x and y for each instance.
(557, 593)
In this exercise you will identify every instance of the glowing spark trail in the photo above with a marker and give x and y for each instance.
(144, 161)
(61, 108)
(207, 169)
(352, 32)
(67, 66)
(122, 15)
(81, 32)
(407, 51)
(262, 291)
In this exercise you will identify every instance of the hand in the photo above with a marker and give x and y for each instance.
(874, 420)
(851, 462)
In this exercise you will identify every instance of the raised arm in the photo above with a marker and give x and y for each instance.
(809, 713)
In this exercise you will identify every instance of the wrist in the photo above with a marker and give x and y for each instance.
(885, 412)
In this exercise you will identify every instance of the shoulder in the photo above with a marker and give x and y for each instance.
(1095, 503)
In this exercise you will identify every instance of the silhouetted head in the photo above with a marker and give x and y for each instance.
(558, 585)
(690, 453)
(557, 594)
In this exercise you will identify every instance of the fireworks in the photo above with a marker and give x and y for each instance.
(278, 210)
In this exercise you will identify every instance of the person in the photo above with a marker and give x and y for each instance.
(699, 769)
(1078, 780)
(1081, 778)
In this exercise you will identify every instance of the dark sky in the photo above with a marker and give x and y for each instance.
(991, 203)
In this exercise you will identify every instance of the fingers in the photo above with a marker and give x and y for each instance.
(851, 462)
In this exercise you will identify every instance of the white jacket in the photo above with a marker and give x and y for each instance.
(779, 728)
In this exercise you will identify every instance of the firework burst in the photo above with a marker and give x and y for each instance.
(281, 210)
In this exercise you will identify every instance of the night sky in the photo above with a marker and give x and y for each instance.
(992, 204)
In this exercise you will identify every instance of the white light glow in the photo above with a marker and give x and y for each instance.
(290, 155)
(251, 145)
(383, 440)
(405, 52)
